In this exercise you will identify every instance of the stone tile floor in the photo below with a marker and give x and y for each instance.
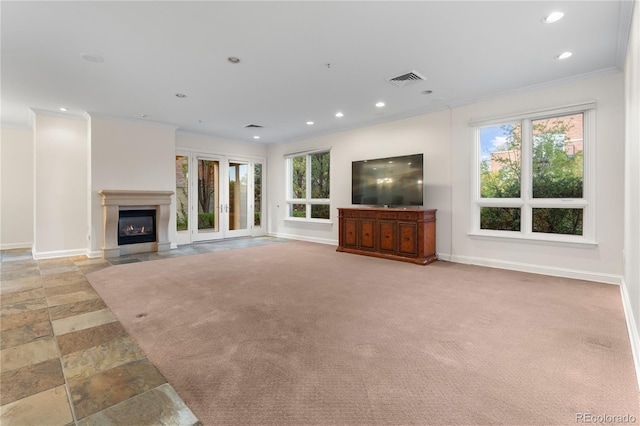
(64, 357)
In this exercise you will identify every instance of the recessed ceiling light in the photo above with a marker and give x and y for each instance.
(92, 58)
(256, 137)
(63, 109)
(233, 60)
(553, 17)
(427, 92)
(564, 55)
(380, 104)
(339, 114)
(310, 123)
(181, 95)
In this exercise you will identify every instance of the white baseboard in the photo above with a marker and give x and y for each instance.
(94, 254)
(634, 337)
(444, 256)
(302, 238)
(11, 246)
(59, 253)
(536, 269)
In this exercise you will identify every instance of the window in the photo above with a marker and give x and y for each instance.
(308, 181)
(534, 177)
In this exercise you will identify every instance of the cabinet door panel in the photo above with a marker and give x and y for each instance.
(408, 244)
(367, 240)
(351, 232)
(387, 236)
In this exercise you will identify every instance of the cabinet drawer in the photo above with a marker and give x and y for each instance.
(388, 215)
(359, 214)
(409, 215)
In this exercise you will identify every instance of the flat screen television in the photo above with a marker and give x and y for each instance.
(389, 182)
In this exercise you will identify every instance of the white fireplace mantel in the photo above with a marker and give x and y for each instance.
(115, 200)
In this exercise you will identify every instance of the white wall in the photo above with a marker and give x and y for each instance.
(631, 285)
(127, 154)
(447, 141)
(208, 144)
(600, 263)
(428, 134)
(61, 185)
(16, 188)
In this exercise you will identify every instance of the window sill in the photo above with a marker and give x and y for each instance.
(304, 220)
(556, 240)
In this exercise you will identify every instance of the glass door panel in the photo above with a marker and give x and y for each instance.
(207, 199)
(238, 206)
(182, 198)
(238, 182)
(257, 196)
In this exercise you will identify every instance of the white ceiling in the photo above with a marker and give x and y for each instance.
(300, 61)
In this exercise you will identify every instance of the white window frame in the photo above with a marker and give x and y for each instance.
(308, 201)
(526, 202)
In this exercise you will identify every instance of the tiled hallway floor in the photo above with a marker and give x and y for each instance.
(64, 357)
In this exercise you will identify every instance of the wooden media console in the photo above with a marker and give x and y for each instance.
(392, 233)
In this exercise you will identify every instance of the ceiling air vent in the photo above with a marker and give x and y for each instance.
(253, 126)
(406, 79)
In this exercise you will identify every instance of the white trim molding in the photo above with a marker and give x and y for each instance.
(538, 269)
(634, 336)
(303, 238)
(59, 253)
(11, 246)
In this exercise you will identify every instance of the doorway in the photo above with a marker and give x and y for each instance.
(218, 197)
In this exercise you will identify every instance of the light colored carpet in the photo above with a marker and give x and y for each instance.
(298, 334)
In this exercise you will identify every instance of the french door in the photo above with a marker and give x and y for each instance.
(217, 197)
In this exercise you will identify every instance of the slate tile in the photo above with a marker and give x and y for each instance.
(50, 407)
(90, 337)
(76, 308)
(28, 354)
(24, 318)
(161, 406)
(29, 380)
(110, 354)
(107, 388)
(25, 334)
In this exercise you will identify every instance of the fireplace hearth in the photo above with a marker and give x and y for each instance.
(136, 226)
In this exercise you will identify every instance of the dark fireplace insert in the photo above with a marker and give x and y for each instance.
(136, 226)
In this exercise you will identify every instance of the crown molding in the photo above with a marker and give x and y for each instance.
(216, 137)
(624, 30)
(15, 126)
(102, 116)
(538, 86)
(67, 115)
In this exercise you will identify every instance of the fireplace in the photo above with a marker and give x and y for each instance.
(136, 226)
(140, 217)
